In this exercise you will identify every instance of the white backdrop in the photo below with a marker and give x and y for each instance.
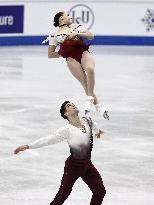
(110, 17)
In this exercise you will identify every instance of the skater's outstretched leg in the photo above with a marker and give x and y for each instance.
(80, 74)
(88, 65)
(67, 182)
(94, 181)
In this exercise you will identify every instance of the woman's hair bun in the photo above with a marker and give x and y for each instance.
(56, 18)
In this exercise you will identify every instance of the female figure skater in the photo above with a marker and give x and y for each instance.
(79, 59)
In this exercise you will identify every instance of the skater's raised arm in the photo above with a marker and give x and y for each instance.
(97, 131)
(53, 43)
(60, 135)
(52, 53)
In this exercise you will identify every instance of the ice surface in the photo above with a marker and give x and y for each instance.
(32, 88)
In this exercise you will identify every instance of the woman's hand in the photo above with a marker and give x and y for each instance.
(99, 134)
(21, 148)
(86, 34)
(72, 35)
(52, 53)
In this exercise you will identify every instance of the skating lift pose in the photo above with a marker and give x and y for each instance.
(79, 135)
(79, 59)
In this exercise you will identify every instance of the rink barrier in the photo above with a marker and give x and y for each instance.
(98, 40)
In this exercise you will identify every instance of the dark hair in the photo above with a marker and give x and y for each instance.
(56, 18)
(63, 109)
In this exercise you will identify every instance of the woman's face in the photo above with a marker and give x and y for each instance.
(66, 19)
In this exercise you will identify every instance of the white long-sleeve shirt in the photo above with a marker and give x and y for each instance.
(79, 141)
(58, 39)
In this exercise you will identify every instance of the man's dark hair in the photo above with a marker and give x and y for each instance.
(56, 18)
(63, 109)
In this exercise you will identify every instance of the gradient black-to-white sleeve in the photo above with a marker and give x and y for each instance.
(60, 135)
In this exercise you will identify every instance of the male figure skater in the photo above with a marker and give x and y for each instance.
(79, 135)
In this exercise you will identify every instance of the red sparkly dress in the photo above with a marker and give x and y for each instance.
(70, 47)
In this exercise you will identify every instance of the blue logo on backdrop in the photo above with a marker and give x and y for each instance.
(82, 14)
(11, 19)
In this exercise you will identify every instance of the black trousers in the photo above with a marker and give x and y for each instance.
(75, 168)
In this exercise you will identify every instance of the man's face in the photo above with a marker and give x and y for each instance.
(66, 18)
(70, 109)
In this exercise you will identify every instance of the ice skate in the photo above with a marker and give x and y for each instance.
(89, 103)
(103, 112)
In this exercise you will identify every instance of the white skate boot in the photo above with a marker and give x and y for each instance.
(103, 112)
(89, 103)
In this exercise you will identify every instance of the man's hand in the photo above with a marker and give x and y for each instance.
(99, 134)
(21, 148)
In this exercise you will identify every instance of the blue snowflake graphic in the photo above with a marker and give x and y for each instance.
(148, 20)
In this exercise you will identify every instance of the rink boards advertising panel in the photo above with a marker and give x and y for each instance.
(11, 19)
